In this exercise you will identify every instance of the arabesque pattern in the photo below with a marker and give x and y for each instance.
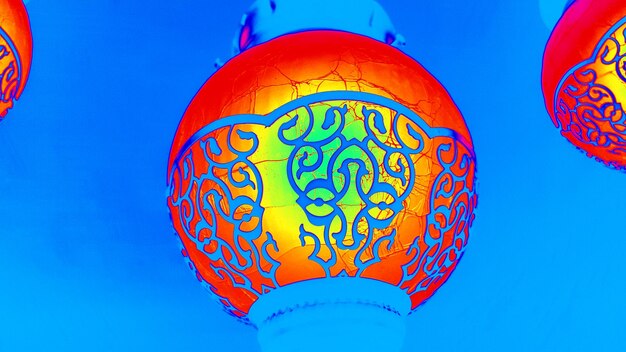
(589, 101)
(10, 73)
(332, 184)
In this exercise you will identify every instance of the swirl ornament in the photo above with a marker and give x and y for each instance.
(15, 52)
(318, 166)
(589, 96)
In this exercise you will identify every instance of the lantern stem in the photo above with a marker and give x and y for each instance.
(266, 20)
(332, 314)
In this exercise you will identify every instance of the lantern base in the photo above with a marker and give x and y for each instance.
(332, 314)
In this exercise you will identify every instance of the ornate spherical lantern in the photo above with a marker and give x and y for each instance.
(584, 78)
(15, 52)
(322, 182)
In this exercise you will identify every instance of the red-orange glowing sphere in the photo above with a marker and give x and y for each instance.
(321, 154)
(15, 52)
(584, 78)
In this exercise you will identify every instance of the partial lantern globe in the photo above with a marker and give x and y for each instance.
(321, 154)
(584, 78)
(15, 52)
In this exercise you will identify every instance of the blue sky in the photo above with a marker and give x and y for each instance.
(88, 259)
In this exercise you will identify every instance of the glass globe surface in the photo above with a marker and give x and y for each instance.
(15, 52)
(584, 79)
(321, 154)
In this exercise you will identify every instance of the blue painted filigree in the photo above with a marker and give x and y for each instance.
(322, 168)
(455, 214)
(586, 108)
(204, 196)
(10, 75)
(350, 159)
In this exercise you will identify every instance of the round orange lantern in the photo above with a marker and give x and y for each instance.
(584, 78)
(322, 169)
(15, 52)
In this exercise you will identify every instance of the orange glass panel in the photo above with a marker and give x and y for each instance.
(321, 154)
(15, 52)
(584, 78)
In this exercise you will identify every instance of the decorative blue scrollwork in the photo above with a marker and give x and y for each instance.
(586, 108)
(454, 184)
(10, 76)
(350, 160)
(335, 161)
